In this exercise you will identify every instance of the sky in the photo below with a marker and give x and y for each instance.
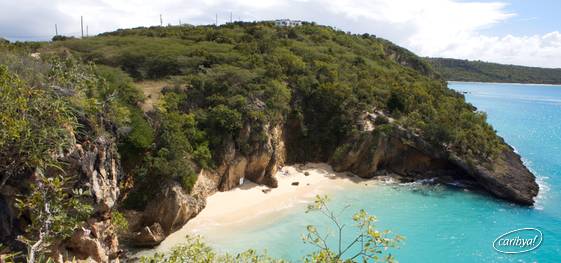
(521, 32)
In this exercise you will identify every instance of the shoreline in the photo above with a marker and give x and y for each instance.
(510, 83)
(248, 202)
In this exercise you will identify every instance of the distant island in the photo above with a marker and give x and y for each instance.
(479, 71)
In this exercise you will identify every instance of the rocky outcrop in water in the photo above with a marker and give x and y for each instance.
(402, 152)
(372, 152)
(507, 177)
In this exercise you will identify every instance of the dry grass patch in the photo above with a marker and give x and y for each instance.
(152, 90)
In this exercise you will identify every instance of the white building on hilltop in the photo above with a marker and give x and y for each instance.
(287, 22)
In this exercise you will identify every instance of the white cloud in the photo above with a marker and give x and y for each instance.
(446, 28)
(536, 50)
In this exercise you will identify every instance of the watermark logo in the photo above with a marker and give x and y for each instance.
(518, 241)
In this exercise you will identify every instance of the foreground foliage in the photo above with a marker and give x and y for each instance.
(369, 245)
(194, 250)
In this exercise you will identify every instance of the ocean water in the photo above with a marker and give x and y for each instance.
(441, 223)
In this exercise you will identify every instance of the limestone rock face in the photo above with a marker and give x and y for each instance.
(207, 184)
(397, 151)
(507, 178)
(149, 236)
(233, 172)
(404, 153)
(97, 168)
(172, 207)
(94, 242)
(98, 165)
(166, 213)
(259, 162)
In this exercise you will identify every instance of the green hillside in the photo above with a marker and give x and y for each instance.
(479, 71)
(226, 86)
(225, 78)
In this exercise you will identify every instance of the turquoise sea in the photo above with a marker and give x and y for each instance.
(441, 223)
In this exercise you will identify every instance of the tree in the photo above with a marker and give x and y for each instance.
(196, 251)
(61, 38)
(56, 210)
(38, 127)
(222, 118)
(371, 242)
(34, 127)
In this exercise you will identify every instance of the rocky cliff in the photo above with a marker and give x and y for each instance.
(398, 151)
(375, 150)
(97, 169)
(98, 165)
(172, 207)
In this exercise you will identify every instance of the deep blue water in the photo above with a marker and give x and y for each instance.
(443, 224)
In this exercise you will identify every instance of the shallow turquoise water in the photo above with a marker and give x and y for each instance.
(444, 224)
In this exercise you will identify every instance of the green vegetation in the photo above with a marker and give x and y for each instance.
(465, 70)
(230, 84)
(194, 250)
(55, 213)
(35, 126)
(372, 244)
(119, 221)
(47, 105)
(316, 78)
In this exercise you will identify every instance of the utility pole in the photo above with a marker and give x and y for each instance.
(230, 17)
(161, 21)
(179, 22)
(87, 31)
(56, 30)
(82, 25)
(216, 23)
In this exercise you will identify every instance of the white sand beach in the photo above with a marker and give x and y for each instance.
(254, 202)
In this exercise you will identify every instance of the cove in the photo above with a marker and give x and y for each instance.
(441, 223)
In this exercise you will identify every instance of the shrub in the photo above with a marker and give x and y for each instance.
(119, 221)
(222, 118)
(141, 135)
(381, 119)
(188, 180)
(34, 126)
(61, 38)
